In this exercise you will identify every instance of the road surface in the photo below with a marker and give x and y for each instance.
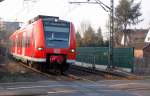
(78, 88)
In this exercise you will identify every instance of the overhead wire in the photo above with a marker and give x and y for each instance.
(24, 8)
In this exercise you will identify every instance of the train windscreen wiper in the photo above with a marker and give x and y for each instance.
(56, 39)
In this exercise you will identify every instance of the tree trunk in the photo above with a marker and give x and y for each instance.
(125, 35)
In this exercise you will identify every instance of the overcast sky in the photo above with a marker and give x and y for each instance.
(23, 11)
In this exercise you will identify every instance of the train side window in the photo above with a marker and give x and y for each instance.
(17, 42)
(20, 42)
(28, 40)
(11, 43)
(23, 41)
(14, 43)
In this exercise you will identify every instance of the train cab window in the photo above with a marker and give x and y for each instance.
(56, 34)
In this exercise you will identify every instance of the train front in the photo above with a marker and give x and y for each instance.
(59, 42)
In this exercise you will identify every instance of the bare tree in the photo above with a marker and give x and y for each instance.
(78, 39)
(89, 37)
(83, 27)
(99, 37)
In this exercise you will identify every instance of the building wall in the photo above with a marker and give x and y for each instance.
(142, 56)
(10, 26)
(7, 28)
(142, 61)
(136, 38)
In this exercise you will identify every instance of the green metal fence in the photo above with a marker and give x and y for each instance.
(122, 57)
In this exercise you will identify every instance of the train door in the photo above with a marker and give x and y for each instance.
(28, 43)
(16, 43)
(32, 43)
(23, 43)
(19, 44)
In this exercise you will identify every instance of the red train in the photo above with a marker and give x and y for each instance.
(46, 42)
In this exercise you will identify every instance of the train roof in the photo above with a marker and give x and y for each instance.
(44, 17)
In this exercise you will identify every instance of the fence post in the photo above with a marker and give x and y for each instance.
(93, 65)
(132, 68)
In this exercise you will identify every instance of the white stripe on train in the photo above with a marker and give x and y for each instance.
(37, 59)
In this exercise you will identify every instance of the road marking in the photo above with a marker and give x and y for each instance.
(27, 87)
(64, 91)
(115, 85)
(27, 82)
(71, 91)
(46, 81)
(137, 94)
(39, 87)
(131, 86)
(30, 87)
(135, 89)
(95, 85)
(110, 90)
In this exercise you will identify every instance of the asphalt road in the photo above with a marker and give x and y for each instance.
(77, 88)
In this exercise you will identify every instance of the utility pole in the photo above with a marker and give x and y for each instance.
(25, 7)
(111, 65)
(28, 2)
(0, 19)
(111, 10)
(1, 0)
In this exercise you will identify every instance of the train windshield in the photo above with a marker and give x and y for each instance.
(56, 34)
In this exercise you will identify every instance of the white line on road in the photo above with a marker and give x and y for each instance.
(67, 91)
(71, 91)
(115, 85)
(30, 87)
(39, 87)
(96, 85)
(27, 87)
(137, 94)
(26, 82)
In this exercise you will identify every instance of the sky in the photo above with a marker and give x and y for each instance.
(23, 10)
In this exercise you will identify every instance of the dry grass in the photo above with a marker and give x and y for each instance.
(11, 71)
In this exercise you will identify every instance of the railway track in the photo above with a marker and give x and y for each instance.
(65, 76)
(86, 74)
(35, 70)
(106, 74)
(72, 75)
(80, 73)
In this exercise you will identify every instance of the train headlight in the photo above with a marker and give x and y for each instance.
(56, 20)
(40, 48)
(72, 50)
